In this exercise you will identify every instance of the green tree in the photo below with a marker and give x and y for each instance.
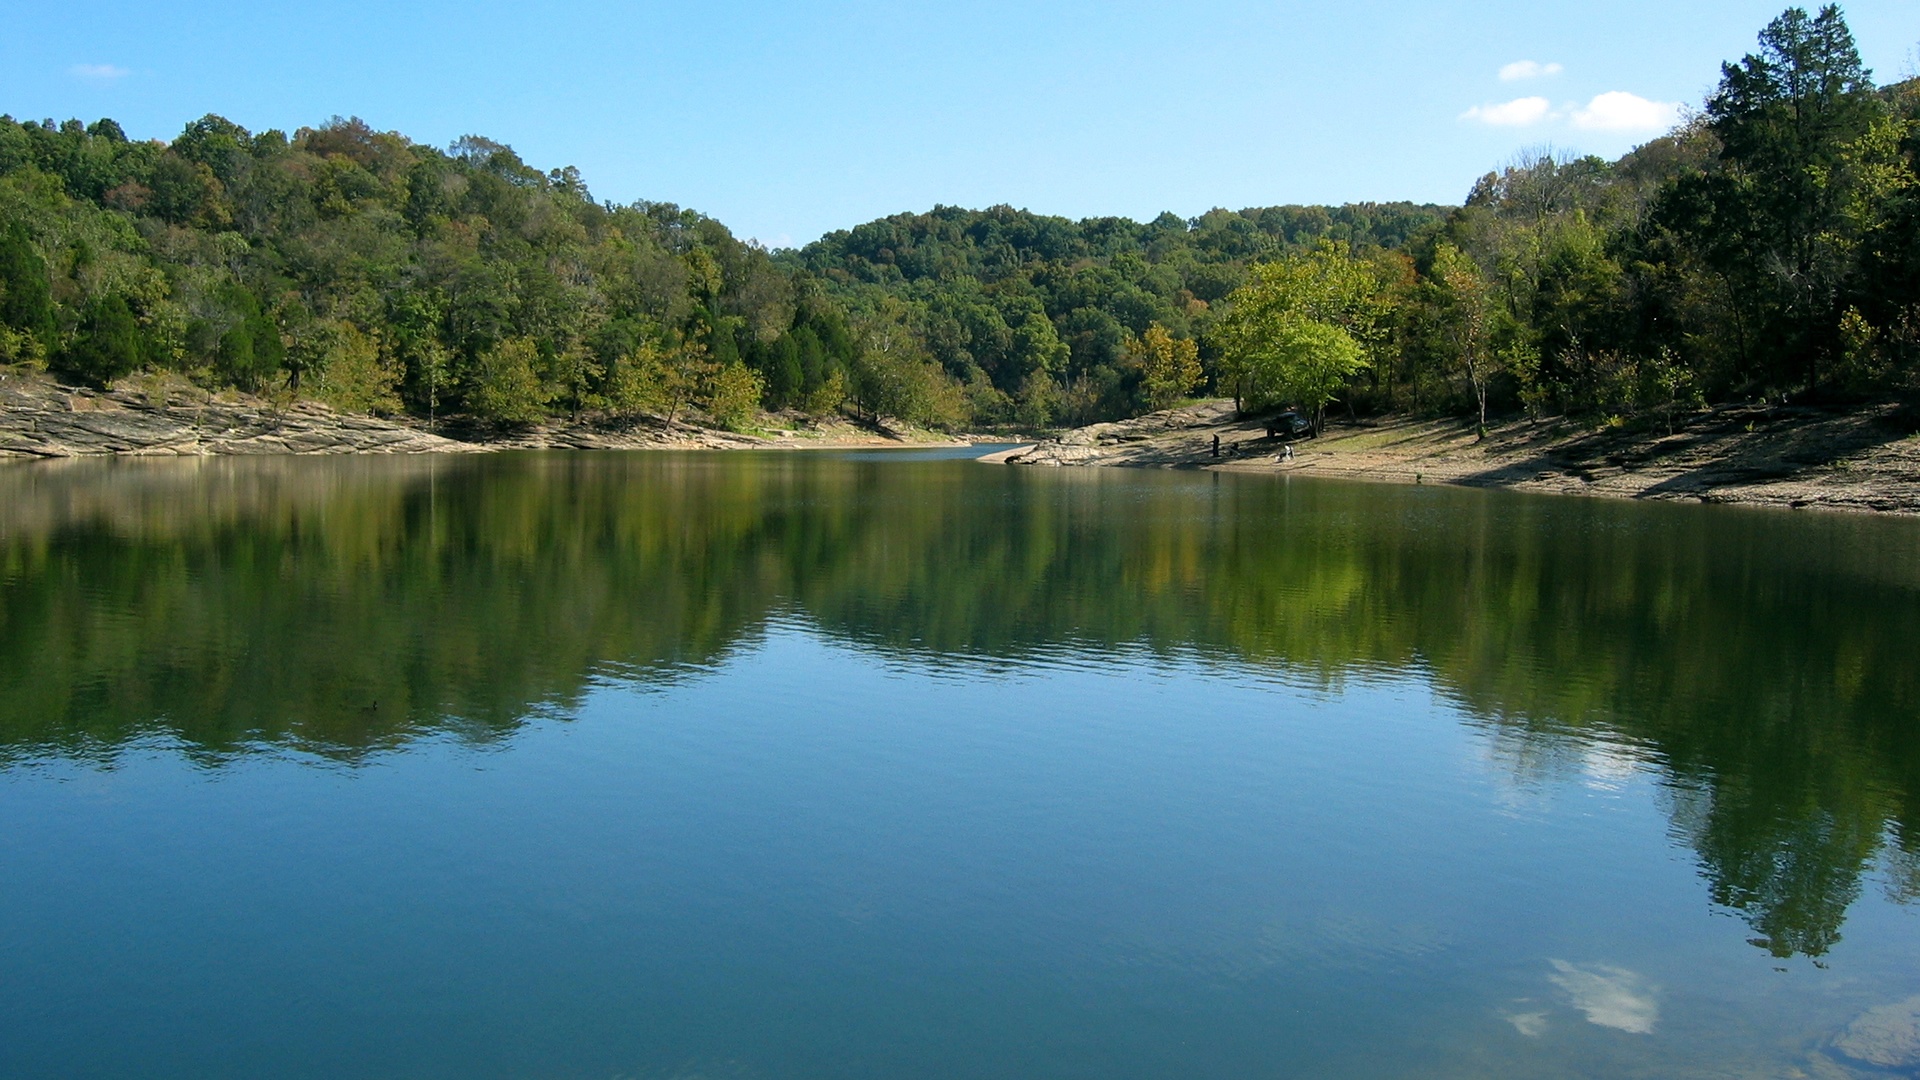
(1037, 402)
(577, 373)
(250, 351)
(1776, 223)
(1302, 362)
(352, 374)
(784, 374)
(893, 375)
(235, 355)
(635, 381)
(430, 363)
(1037, 347)
(507, 386)
(1297, 332)
(26, 296)
(657, 380)
(185, 192)
(107, 345)
(733, 396)
(1170, 366)
(1880, 330)
(826, 399)
(1466, 305)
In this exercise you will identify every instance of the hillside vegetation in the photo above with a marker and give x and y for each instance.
(1770, 245)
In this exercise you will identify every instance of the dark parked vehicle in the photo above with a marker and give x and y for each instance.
(1289, 425)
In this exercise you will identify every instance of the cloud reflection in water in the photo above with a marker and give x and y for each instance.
(1609, 996)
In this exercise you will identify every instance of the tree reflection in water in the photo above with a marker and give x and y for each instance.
(1761, 661)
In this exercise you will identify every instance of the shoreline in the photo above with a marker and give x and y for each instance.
(1790, 457)
(1797, 457)
(41, 419)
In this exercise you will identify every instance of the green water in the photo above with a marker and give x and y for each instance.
(808, 765)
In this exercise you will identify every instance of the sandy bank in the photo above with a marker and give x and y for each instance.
(1786, 456)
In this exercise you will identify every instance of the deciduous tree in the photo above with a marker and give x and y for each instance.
(1299, 330)
(1170, 366)
(507, 387)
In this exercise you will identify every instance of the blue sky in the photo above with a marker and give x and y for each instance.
(788, 120)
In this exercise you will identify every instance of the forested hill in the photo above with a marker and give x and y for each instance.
(1042, 317)
(1206, 256)
(1770, 244)
(378, 273)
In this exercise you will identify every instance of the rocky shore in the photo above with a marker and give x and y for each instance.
(1785, 456)
(40, 418)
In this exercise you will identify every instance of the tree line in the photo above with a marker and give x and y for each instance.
(1770, 244)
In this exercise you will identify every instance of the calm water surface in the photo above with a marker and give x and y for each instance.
(807, 766)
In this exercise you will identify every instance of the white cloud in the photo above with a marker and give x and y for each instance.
(98, 72)
(1617, 110)
(1609, 996)
(1528, 69)
(1519, 112)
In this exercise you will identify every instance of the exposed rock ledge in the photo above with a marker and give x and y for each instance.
(39, 418)
(42, 419)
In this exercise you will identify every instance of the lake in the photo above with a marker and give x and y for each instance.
(899, 764)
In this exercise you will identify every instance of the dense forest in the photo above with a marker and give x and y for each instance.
(1769, 245)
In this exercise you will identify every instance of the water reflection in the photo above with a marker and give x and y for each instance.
(1609, 996)
(1760, 661)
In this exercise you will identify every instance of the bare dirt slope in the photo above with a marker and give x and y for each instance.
(1863, 459)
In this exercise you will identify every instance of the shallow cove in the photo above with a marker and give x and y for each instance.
(860, 765)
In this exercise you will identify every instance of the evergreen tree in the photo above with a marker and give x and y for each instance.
(107, 346)
(26, 296)
(1785, 117)
(251, 351)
